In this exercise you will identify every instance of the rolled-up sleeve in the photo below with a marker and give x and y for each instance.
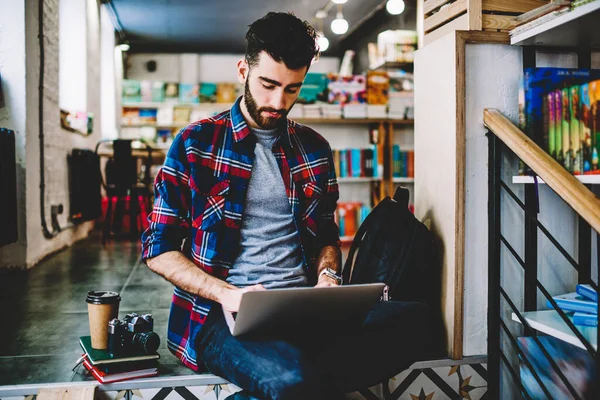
(328, 233)
(169, 221)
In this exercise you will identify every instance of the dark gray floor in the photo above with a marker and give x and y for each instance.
(43, 311)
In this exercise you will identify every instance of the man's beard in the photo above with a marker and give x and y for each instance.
(266, 123)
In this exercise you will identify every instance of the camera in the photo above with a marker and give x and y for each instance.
(132, 335)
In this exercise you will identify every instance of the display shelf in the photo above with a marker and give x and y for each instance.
(171, 126)
(224, 106)
(550, 323)
(358, 180)
(576, 28)
(393, 65)
(355, 121)
(403, 180)
(585, 179)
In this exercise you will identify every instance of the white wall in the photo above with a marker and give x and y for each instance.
(73, 54)
(12, 115)
(20, 63)
(108, 93)
(492, 81)
(209, 67)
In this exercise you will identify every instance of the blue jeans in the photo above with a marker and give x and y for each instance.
(323, 366)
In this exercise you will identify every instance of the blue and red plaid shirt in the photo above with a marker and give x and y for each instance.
(199, 203)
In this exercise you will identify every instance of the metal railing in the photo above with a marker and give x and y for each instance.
(505, 136)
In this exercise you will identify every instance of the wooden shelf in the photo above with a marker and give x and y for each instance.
(577, 28)
(585, 179)
(353, 121)
(168, 126)
(403, 180)
(224, 106)
(305, 121)
(358, 180)
(549, 322)
(393, 65)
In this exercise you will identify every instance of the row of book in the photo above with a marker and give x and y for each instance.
(349, 216)
(559, 111)
(135, 91)
(358, 163)
(403, 162)
(165, 116)
(583, 303)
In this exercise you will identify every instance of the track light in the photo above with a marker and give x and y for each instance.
(339, 1)
(124, 46)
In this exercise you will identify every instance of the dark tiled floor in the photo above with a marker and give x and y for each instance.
(43, 311)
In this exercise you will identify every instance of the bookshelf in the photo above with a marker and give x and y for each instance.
(550, 323)
(575, 28)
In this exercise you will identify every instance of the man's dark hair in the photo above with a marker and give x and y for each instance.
(284, 37)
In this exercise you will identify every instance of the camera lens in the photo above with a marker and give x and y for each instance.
(148, 342)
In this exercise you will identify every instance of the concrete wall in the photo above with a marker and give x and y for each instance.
(23, 114)
(208, 67)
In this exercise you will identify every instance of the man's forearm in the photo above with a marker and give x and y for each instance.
(180, 271)
(329, 257)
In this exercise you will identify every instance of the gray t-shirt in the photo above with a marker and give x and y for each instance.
(270, 250)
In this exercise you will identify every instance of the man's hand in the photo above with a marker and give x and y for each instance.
(325, 281)
(231, 298)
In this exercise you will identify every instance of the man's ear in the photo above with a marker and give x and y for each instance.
(242, 70)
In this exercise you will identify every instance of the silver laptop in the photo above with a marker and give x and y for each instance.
(290, 309)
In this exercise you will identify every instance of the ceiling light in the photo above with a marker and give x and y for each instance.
(322, 41)
(339, 25)
(321, 14)
(339, 1)
(395, 7)
(124, 46)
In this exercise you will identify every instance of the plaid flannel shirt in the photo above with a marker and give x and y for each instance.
(199, 202)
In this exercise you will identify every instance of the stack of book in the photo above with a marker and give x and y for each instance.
(107, 368)
(333, 111)
(312, 111)
(296, 112)
(582, 305)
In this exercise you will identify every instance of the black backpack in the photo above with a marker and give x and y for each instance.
(397, 249)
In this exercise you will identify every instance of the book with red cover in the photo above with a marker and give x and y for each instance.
(105, 377)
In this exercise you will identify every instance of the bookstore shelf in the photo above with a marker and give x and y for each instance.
(224, 106)
(332, 121)
(358, 180)
(585, 179)
(550, 323)
(403, 180)
(576, 28)
(393, 65)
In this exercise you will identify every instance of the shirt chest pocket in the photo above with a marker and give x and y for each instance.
(313, 194)
(211, 205)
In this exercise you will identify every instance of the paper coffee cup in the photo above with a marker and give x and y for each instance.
(102, 307)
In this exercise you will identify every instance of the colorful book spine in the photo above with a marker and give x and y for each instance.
(595, 111)
(587, 291)
(551, 118)
(558, 126)
(574, 129)
(584, 319)
(355, 159)
(566, 135)
(575, 302)
(343, 163)
(585, 127)
(545, 124)
(375, 161)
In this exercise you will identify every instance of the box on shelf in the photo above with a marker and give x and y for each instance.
(189, 93)
(208, 92)
(378, 86)
(314, 88)
(131, 91)
(172, 92)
